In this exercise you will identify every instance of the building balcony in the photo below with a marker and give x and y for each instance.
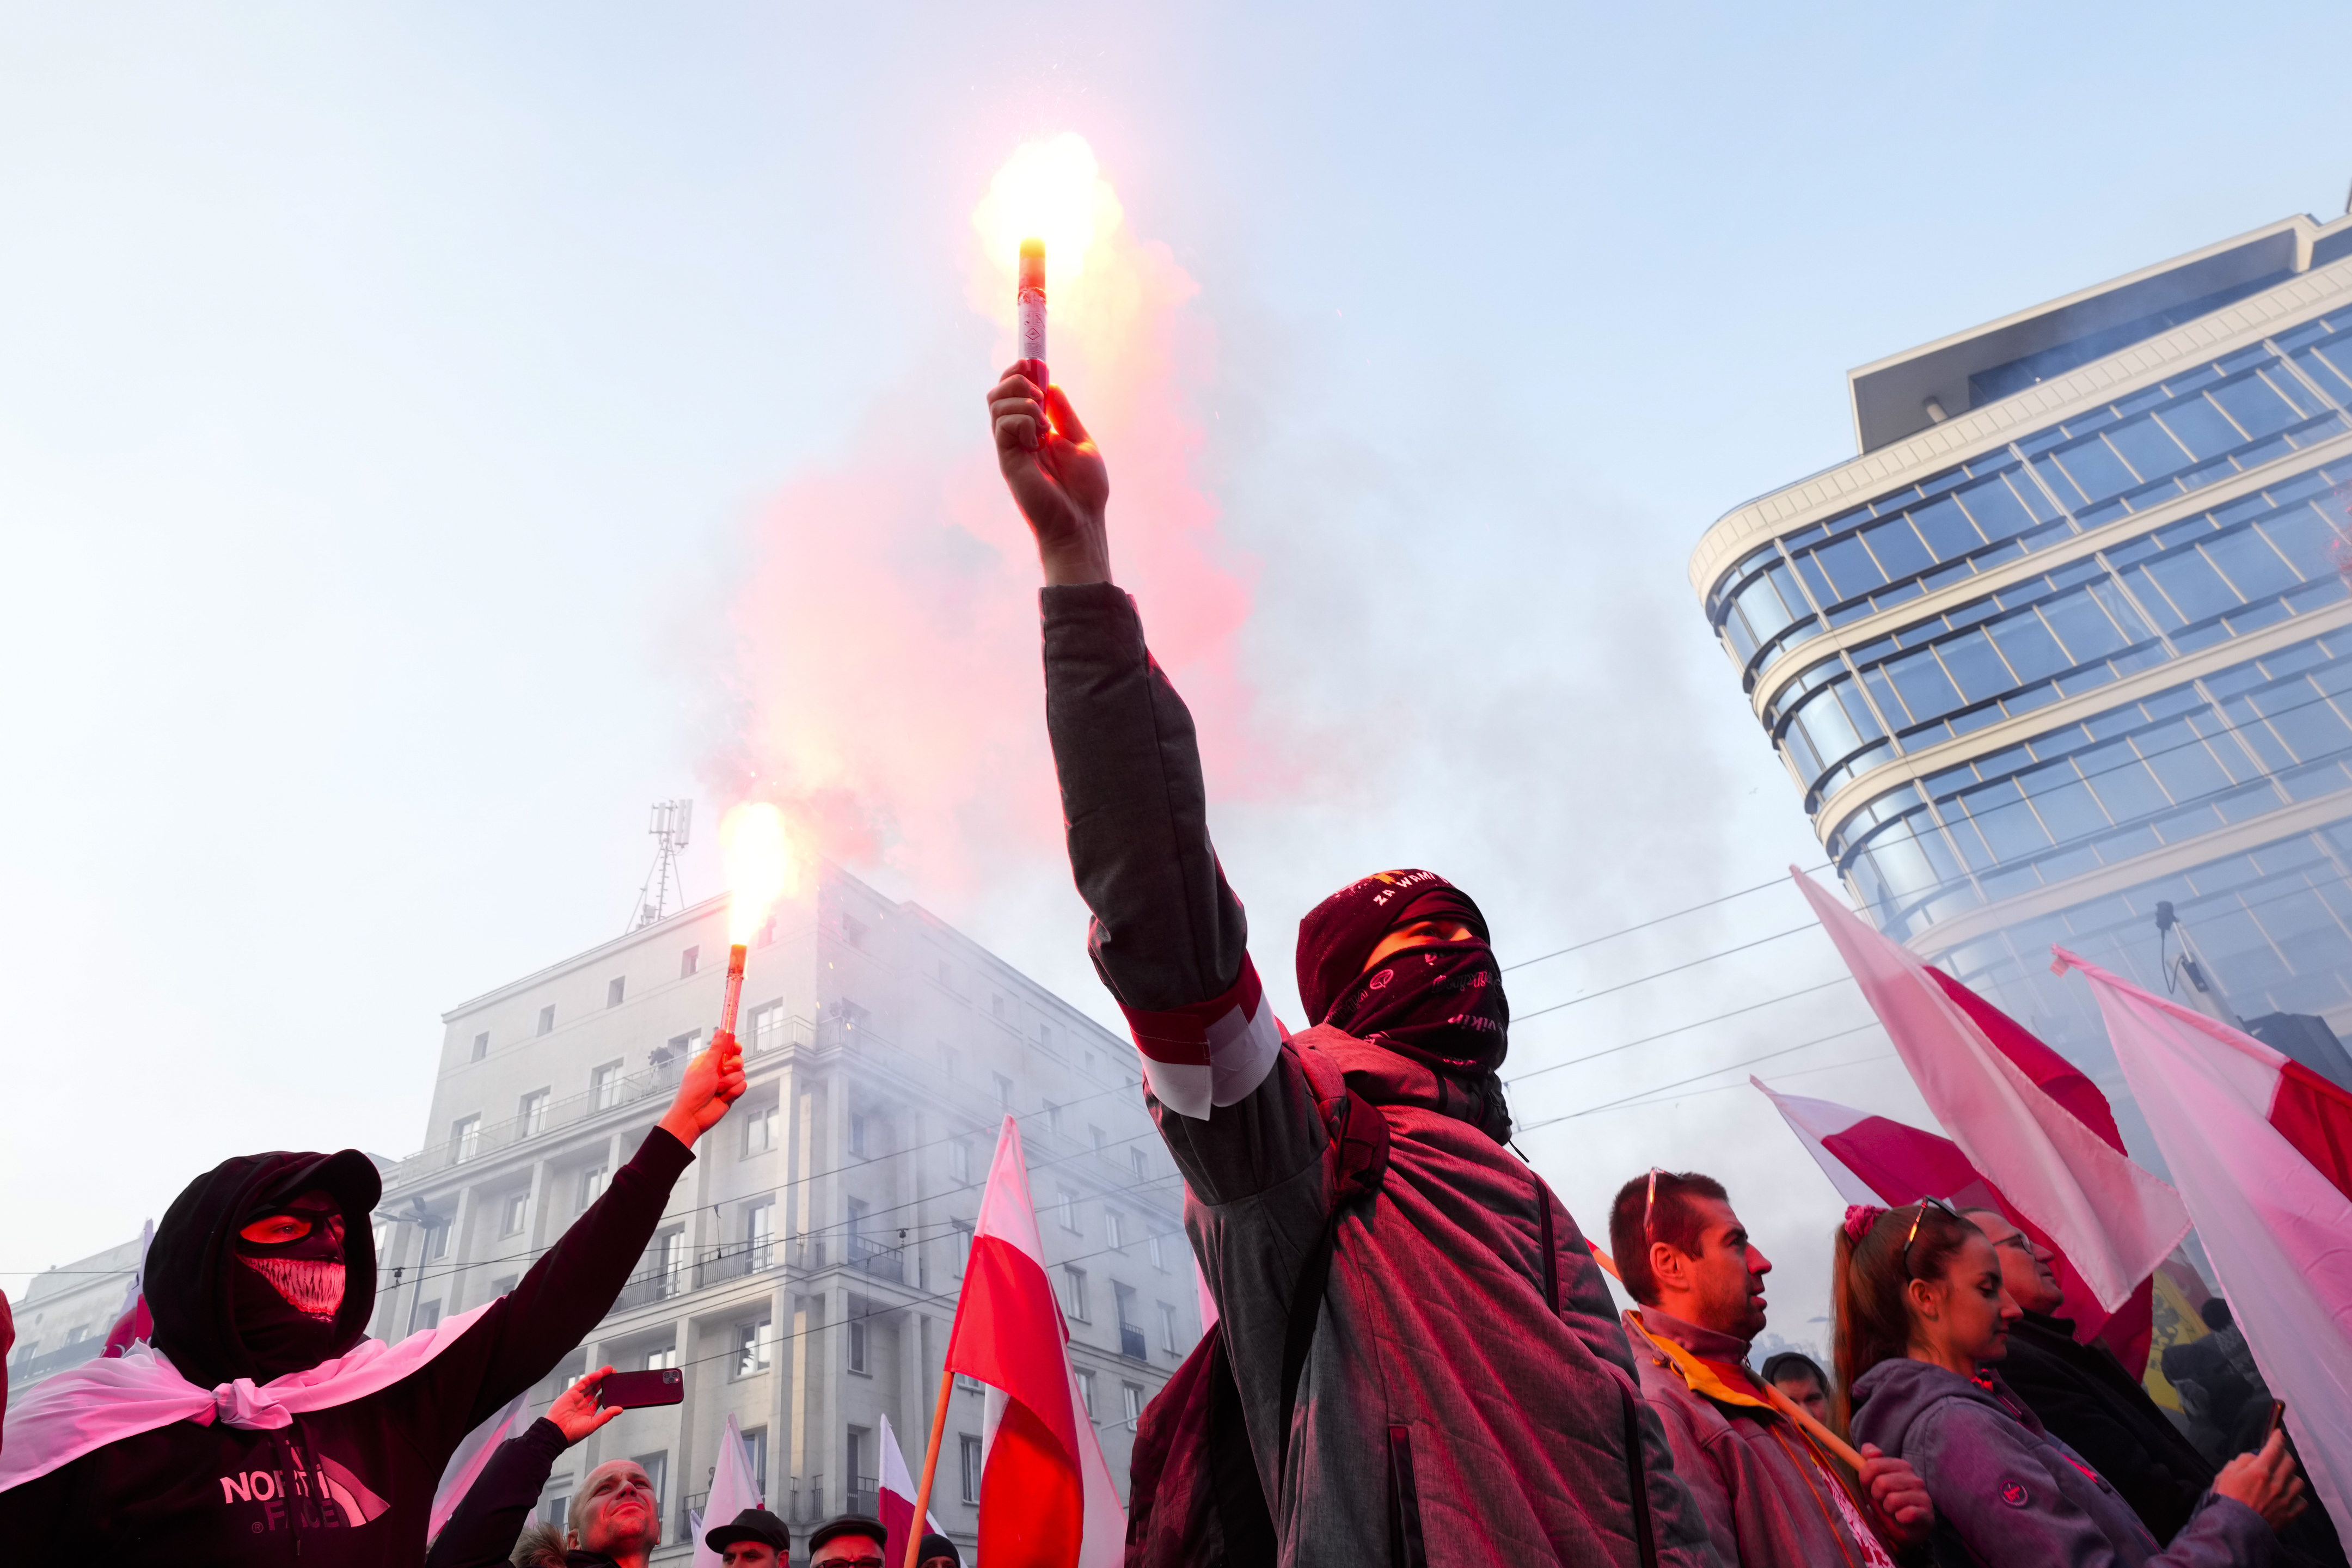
(1130, 1344)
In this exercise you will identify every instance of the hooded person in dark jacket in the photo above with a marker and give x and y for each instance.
(263, 1425)
(1467, 1395)
(1922, 1320)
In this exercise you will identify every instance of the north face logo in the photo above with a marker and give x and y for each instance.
(2014, 1494)
(342, 1498)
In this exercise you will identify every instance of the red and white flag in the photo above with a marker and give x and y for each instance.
(1046, 1495)
(2261, 1149)
(1878, 1160)
(733, 1489)
(895, 1503)
(2114, 1221)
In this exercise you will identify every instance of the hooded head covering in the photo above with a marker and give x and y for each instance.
(1441, 1004)
(220, 1318)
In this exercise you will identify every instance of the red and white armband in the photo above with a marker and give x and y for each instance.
(1210, 1053)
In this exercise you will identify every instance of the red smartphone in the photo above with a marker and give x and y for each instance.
(2278, 1414)
(633, 1390)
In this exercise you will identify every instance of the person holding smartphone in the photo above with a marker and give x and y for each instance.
(263, 1423)
(483, 1530)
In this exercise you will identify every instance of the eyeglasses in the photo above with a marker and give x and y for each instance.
(1919, 1214)
(849, 1562)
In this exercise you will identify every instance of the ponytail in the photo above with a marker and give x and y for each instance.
(1876, 1254)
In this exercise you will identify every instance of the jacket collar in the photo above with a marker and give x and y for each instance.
(1701, 1377)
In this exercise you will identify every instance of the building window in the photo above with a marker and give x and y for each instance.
(556, 1501)
(517, 1210)
(767, 1031)
(970, 1447)
(1167, 1328)
(426, 1315)
(944, 972)
(767, 933)
(755, 1448)
(687, 961)
(754, 1344)
(1114, 1230)
(760, 1131)
(1087, 1390)
(669, 1263)
(532, 1114)
(547, 1019)
(1073, 1293)
(436, 1240)
(1159, 1252)
(592, 1184)
(997, 1008)
(1046, 1035)
(662, 1359)
(466, 1137)
(760, 1233)
(1069, 1210)
(503, 1283)
(1101, 1141)
(657, 1468)
(1004, 1092)
(1053, 1119)
(481, 1045)
(614, 989)
(604, 1085)
(1130, 1332)
(857, 1336)
(1140, 1163)
(962, 1237)
(859, 1137)
(1131, 1398)
(960, 1161)
(853, 931)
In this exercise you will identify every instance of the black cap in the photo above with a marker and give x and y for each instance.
(848, 1524)
(752, 1524)
(938, 1546)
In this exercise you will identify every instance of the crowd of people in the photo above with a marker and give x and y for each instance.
(1416, 1361)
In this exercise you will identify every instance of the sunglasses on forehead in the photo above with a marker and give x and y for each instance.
(1921, 1212)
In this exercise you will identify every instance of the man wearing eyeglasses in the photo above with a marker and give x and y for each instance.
(1771, 1497)
(851, 1541)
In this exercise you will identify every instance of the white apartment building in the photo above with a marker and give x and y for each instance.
(805, 1274)
(65, 1314)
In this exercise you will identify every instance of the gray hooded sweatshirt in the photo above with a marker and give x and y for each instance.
(1468, 1395)
(2017, 1496)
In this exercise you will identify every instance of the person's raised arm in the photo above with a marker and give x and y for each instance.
(1168, 937)
(486, 1524)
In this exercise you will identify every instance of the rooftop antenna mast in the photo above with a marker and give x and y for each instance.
(672, 823)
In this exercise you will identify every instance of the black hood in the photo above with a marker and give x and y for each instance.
(188, 1267)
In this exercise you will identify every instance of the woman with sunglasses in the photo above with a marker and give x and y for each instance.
(1922, 1320)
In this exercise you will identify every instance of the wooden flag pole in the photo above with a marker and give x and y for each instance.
(1772, 1394)
(931, 1467)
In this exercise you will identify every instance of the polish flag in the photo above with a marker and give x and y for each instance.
(465, 1467)
(2262, 1147)
(2019, 1124)
(733, 1489)
(897, 1503)
(134, 1324)
(1876, 1160)
(1046, 1495)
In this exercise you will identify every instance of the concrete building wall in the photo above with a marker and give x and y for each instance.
(65, 1313)
(805, 1274)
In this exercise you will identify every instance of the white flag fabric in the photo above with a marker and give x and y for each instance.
(896, 1499)
(464, 1465)
(2277, 1229)
(2114, 1220)
(733, 1489)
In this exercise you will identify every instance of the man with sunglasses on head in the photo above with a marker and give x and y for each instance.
(262, 1424)
(1771, 1495)
(1456, 1389)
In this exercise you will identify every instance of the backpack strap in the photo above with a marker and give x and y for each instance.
(1361, 1157)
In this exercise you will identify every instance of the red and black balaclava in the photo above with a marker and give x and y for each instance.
(227, 1306)
(1441, 1004)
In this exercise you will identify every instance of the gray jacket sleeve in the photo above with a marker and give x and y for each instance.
(1987, 1479)
(1167, 930)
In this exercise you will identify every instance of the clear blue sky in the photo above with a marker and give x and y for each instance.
(385, 390)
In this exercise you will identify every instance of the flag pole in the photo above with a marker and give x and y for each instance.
(931, 1467)
(1779, 1401)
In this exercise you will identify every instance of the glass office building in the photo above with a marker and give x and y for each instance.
(2073, 635)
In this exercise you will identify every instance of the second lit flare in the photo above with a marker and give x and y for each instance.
(1029, 301)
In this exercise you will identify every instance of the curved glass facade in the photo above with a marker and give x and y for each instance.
(2219, 774)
